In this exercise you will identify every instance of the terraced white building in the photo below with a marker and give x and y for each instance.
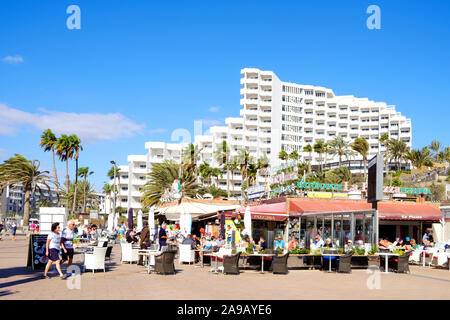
(275, 116)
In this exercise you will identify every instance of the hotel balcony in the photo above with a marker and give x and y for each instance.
(266, 103)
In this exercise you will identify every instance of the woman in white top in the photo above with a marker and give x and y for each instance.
(52, 248)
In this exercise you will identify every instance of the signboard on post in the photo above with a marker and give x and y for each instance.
(36, 251)
(375, 179)
(48, 216)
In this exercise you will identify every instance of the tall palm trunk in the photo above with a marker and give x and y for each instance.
(74, 204)
(67, 183)
(26, 207)
(84, 195)
(232, 181)
(228, 183)
(54, 172)
(365, 168)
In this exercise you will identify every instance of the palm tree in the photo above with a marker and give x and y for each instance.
(189, 157)
(263, 164)
(108, 189)
(302, 167)
(252, 172)
(110, 173)
(283, 155)
(205, 171)
(340, 147)
(308, 149)
(233, 166)
(435, 146)
(326, 151)
(318, 148)
(161, 177)
(76, 147)
(49, 142)
(419, 158)
(294, 155)
(84, 172)
(215, 172)
(361, 146)
(244, 160)
(64, 152)
(20, 170)
(222, 157)
(397, 150)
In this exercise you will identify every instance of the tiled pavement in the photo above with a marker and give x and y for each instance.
(123, 281)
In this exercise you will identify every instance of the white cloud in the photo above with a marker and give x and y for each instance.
(214, 109)
(210, 123)
(158, 130)
(89, 127)
(13, 59)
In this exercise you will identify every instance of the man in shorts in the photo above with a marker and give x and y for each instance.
(67, 236)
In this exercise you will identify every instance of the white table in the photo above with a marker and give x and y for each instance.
(329, 260)
(386, 258)
(202, 251)
(216, 265)
(147, 253)
(262, 255)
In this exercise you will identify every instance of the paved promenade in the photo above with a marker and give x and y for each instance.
(123, 281)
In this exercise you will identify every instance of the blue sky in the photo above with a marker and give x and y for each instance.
(137, 70)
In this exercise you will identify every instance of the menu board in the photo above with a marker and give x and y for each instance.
(36, 251)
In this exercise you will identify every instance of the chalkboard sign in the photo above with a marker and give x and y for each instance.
(36, 251)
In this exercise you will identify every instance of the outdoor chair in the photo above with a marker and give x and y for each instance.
(95, 260)
(344, 263)
(279, 264)
(164, 263)
(186, 254)
(108, 252)
(402, 265)
(231, 264)
(128, 253)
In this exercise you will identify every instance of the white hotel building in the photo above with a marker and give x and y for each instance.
(275, 116)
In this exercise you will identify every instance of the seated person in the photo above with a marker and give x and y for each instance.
(189, 241)
(319, 241)
(131, 236)
(196, 241)
(262, 243)
(348, 246)
(292, 243)
(328, 243)
(279, 243)
(220, 242)
(335, 243)
(360, 244)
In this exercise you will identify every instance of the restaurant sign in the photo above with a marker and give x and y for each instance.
(345, 188)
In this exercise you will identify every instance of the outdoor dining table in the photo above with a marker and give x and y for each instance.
(203, 252)
(147, 253)
(386, 254)
(262, 255)
(216, 265)
(329, 260)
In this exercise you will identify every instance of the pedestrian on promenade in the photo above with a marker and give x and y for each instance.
(52, 250)
(13, 230)
(67, 236)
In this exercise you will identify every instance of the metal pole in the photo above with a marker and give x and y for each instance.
(352, 227)
(115, 192)
(332, 228)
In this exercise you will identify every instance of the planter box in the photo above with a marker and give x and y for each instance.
(360, 261)
(304, 261)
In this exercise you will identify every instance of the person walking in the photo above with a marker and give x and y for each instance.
(13, 230)
(52, 250)
(145, 240)
(67, 236)
(163, 238)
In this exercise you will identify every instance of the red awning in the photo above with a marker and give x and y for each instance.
(386, 211)
(394, 211)
(300, 207)
(269, 212)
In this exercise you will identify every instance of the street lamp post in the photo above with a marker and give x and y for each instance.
(114, 189)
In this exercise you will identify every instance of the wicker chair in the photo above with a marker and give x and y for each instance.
(164, 263)
(402, 265)
(279, 264)
(231, 264)
(344, 263)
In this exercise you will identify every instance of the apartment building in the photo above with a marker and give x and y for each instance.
(275, 116)
(13, 199)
